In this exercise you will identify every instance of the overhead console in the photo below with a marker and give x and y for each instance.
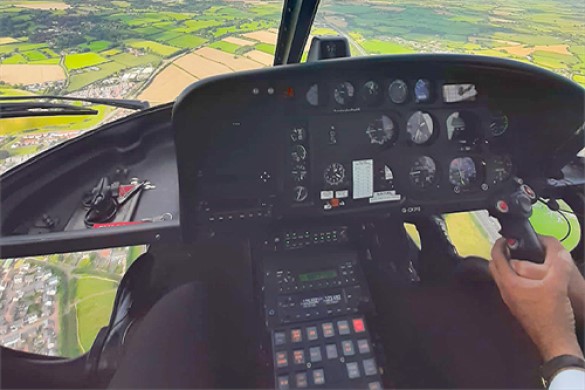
(368, 137)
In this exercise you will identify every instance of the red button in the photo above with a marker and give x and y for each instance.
(502, 206)
(358, 325)
(334, 202)
(513, 243)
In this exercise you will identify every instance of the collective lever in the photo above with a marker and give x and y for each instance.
(512, 211)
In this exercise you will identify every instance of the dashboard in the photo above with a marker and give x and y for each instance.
(368, 137)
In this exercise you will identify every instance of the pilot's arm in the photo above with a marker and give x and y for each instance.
(545, 299)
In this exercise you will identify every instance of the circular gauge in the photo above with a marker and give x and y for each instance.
(300, 194)
(299, 153)
(463, 172)
(423, 172)
(299, 173)
(344, 93)
(334, 174)
(298, 134)
(420, 127)
(502, 168)
(370, 93)
(422, 91)
(381, 130)
(398, 91)
(499, 124)
(313, 95)
(455, 126)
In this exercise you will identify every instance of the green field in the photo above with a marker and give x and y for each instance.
(83, 60)
(187, 41)
(376, 46)
(130, 60)
(225, 46)
(266, 48)
(95, 299)
(80, 80)
(96, 46)
(154, 47)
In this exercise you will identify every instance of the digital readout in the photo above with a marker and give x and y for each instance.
(320, 275)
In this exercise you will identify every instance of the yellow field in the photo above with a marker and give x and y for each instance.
(239, 41)
(263, 36)
(261, 57)
(167, 85)
(232, 61)
(44, 5)
(525, 51)
(30, 74)
(201, 67)
(5, 40)
(467, 237)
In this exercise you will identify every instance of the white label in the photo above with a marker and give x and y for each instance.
(326, 195)
(388, 175)
(363, 179)
(341, 194)
(384, 196)
(453, 93)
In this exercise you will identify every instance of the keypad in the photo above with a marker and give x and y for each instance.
(334, 353)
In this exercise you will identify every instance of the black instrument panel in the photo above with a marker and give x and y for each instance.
(368, 137)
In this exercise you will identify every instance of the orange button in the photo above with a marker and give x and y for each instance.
(358, 325)
(334, 202)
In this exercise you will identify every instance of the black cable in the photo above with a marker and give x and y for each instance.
(569, 227)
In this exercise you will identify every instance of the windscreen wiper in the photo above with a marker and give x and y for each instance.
(31, 109)
(120, 103)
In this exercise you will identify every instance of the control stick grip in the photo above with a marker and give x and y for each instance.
(521, 239)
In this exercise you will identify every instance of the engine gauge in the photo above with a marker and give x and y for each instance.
(422, 91)
(423, 172)
(334, 174)
(299, 173)
(300, 194)
(381, 130)
(499, 124)
(420, 127)
(398, 91)
(370, 93)
(463, 172)
(344, 93)
(455, 126)
(299, 153)
(312, 95)
(502, 168)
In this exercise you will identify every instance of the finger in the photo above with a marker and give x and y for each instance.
(528, 269)
(552, 246)
(500, 260)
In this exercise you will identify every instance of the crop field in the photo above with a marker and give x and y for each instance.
(376, 46)
(80, 80)
(167, 85)
(187, 41)
(225, 46)
(267, 48)
(239, 41)
(154, 47)
(30, 74)
(83, 60)
(130, 60)
(262, 36)
(261, 57)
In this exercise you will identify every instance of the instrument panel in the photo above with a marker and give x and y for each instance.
(367, 137)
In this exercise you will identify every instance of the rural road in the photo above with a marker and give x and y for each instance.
(352, 42)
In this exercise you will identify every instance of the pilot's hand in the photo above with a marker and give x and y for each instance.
(538, 272)
(541, 305)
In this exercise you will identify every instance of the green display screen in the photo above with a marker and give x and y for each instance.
(312, 276)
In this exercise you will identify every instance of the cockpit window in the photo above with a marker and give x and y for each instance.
(146, 50)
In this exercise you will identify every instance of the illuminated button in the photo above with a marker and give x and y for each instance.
(341, 194)
(281, 359)
(363, 346)
(347, 347)
(353, 370)
(296, 336)
(334, 202)
(358, 325)
(343, 327)
(331, 350)
(315, 354)
(279, 338)
(312, 333)
(326, 195)
(370, 367)
(283, 383)
(319, 377)
(299, 356)
(374, 386)
(301, 379)
(328, 330)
